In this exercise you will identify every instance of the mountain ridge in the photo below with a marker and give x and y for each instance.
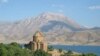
(56, 28)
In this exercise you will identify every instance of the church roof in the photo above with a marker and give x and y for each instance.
(38, 33)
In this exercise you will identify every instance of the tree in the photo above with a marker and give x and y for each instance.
(27, 52)
(60, 50)
(40, 53)
(27, 46)
(65, 54)
(83, 54)
(69, 53)
(90, 54)
(50, 48)
(11, 51)
(15, 44)
(3, 51)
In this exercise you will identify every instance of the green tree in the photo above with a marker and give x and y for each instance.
(65, 54)
(60, 50)
(69, 53)
(3, 51)
(90, 54)
(82, 54)
(50, 48)
(40, 53)
(10, 51)
(15, 44)
(13, 49)
(27, 52)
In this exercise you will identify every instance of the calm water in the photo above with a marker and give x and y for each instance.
(80, 49)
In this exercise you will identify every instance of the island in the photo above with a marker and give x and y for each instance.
(37, 47)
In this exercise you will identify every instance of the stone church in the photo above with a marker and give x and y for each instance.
(38, 42)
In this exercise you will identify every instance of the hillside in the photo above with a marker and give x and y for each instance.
(57, 28)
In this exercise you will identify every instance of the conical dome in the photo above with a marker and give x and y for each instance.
(38, 37)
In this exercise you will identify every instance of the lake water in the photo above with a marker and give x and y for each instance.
(80, 49)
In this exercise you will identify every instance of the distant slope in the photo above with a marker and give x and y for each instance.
(57, 28)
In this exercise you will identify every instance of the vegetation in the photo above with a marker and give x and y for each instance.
(14, 49)
(50, 48)
(40, 53)
(60, 50)
(70, 53)
(89, 54)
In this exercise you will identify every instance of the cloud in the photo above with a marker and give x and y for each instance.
(96, 7)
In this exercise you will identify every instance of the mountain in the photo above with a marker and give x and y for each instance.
(57, 28)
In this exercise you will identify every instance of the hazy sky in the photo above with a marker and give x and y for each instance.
(84, 12)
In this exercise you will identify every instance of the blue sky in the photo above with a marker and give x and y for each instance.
(84, 12)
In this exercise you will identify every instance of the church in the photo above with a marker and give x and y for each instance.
(38, 42)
